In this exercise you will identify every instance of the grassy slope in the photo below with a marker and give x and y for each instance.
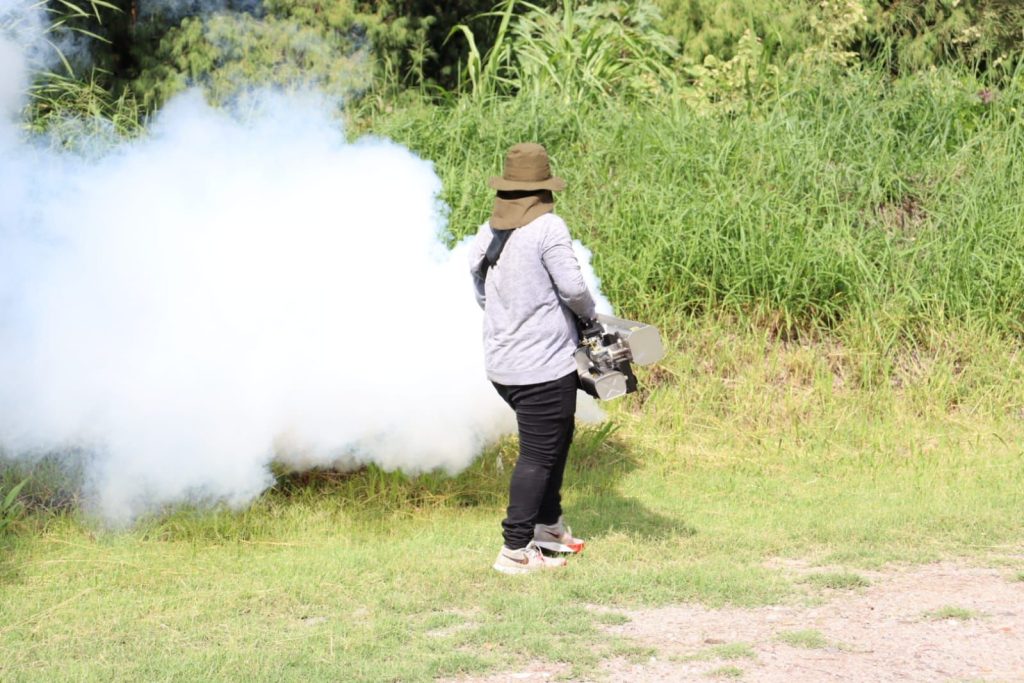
(742, 452)
(852, 199)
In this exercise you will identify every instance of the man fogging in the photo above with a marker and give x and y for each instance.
(543, 340)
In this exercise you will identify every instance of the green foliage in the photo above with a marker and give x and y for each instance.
(77, 112)
(905, 36)
(715, 27)
(228, 53)
(727, 651)
(73, 18)
(951, 612)
(338, 47)
(829, 208)
(576, 53)
(410, 38)
(836, 25)
(10, 507)
(73, 104)
(908, 36)
(837, 580)
(810, 639)
(740, 83)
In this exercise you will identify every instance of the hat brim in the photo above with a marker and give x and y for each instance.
(553, 183)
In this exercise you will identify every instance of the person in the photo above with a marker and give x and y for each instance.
(532, 294)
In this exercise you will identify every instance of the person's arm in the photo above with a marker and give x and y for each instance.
(560, 261)
(476, 256)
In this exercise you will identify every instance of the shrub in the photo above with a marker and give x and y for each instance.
(577, 52)
(904, 36)
(227, 53)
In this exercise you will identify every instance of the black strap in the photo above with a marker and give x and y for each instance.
(493, 251)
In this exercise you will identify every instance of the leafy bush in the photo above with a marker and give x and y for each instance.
(909, 36)
(716, 27)
(578, 52)
(856, 200)
(410, 38)
(82, 112)
(739, 83)
(227, 53)
(905, 36)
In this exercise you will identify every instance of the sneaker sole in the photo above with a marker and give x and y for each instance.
(517, 570)
(511, 571)
(556, 547)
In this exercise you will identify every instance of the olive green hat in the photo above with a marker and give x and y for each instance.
(527, 168)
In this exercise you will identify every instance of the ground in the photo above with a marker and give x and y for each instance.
(937, 622)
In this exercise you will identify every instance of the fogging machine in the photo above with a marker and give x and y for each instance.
(608, 348)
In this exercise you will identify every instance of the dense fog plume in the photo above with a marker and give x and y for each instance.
(21, 37)
(12, 83)
(227, 292)
(231, 290)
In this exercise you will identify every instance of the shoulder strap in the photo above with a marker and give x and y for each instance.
(493, 251)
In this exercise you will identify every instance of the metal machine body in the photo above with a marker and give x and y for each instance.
(608, 348)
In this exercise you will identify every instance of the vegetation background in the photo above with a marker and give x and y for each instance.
(819, 203)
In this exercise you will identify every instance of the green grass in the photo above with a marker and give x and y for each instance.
(837, 580)
(726, 651)
(810, 639)
(726, 672)
(952, 612)
(878, 211)
(330, 573)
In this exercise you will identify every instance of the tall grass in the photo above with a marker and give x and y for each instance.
(578, 51)
(80, 113)
(841, 203)
(10, 507)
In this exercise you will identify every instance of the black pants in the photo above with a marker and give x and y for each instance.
(546, 415)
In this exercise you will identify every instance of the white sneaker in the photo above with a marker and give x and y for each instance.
(557, 538)
(525, 560)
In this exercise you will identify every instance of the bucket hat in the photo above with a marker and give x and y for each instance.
(526, 168)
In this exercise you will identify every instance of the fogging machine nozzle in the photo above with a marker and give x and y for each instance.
(608, 348)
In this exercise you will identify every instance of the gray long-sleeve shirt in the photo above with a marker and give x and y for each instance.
(529, 300)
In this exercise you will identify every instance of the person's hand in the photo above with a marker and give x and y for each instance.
(588, 328)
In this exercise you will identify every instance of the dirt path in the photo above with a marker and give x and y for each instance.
(940, 622)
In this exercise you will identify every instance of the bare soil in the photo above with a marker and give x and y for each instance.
(938, 622)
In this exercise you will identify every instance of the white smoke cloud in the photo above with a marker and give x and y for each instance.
(21, 33)
(225, 293)
(12, 80)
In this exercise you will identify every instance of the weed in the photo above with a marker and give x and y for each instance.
(611, 618)
(837, 580)
(726, 672)
(810, 639)
(577, 53)
(951, 612)
(769, 222)
(10, 507)
(727, 651)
